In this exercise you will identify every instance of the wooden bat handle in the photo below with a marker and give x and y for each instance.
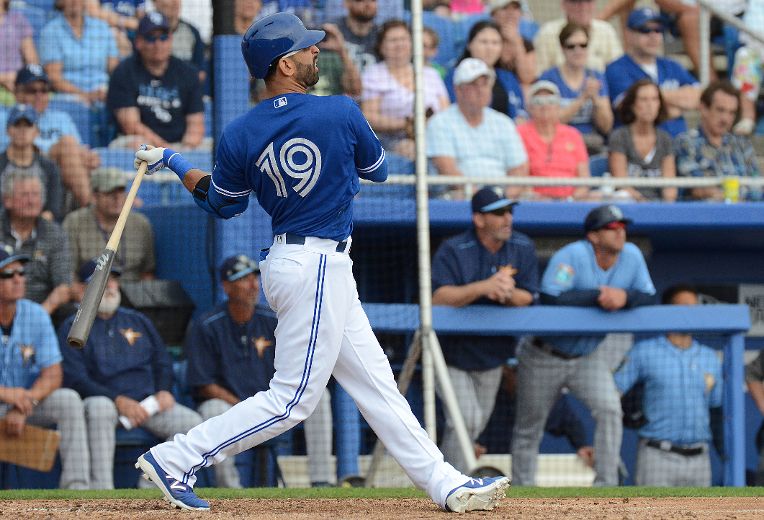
(116, 234)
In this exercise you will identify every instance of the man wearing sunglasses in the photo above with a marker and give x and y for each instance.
(490, 265)
(644, 44)
(154, 96)
(604, 271)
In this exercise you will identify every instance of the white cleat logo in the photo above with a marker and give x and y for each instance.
(176, 485)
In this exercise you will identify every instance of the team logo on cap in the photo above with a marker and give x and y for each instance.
(616, 212)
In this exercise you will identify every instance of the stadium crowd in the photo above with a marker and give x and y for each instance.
(573, 97)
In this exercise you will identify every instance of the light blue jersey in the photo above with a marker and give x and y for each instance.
(302, 156)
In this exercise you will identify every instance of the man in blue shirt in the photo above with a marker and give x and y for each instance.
(644, 42)
(602, 271)
(489, 264)
(682, 380)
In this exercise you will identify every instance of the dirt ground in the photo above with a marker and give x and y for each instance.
(402, 509)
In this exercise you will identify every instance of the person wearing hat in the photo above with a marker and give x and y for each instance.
(517, 55)
(154, 96)
(89, 228)
(644, 45)
(603, 271)
(490, 264)
(470, 139)
(30, 373)
(18, 49)
(230, 351)
(554, 149)
(187, 43)
(124, 374)
(21, 155)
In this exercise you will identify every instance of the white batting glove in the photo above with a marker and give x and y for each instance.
(153, 156)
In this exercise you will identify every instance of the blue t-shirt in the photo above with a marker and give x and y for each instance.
(52, 124)
(680, 386)
(30, 347)
(624, 72)
(574, 267)
(513, 105)
(237, 357)
(302, 156)
(124, 7)
(462, 260)
(583, 120)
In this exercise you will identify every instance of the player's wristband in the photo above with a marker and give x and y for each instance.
(176, 162)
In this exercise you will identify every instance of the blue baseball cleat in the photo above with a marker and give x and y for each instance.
(479, 494)
(177, 493)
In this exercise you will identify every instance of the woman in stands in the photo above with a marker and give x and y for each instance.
(640, 148)
(387, 99)
(16, 49)
(583, 91)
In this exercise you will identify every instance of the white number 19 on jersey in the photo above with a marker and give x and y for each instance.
(293, 150)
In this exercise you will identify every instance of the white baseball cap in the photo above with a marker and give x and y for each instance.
(543, 85)
(470, 69)
(499, 4)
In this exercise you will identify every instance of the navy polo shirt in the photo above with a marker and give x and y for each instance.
(463, 259)
(236, 357)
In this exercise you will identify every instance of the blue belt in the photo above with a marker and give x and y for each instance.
(300, 240)
(549, 349)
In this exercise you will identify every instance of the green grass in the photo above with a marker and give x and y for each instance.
(386, 493)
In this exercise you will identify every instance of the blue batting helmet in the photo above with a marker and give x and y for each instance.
(272, 37)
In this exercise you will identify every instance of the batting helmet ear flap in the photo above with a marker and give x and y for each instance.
(271, 38)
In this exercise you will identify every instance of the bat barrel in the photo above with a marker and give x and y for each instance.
(83, 320)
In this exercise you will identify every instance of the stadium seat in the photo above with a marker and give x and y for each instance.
(447, 49)
(396, 165)
(598, 165)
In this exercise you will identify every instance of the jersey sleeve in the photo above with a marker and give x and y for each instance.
(642, 281)
(560, 274)
(445, 267)
(514, 150)
(369, 154)
(630, 371)
(48, 352)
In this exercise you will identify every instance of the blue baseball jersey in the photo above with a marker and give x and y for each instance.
(302, 156)
(583, 120)
(238, 357)
(624, 71)
(574, 267)
(680, 386)
(462, 260)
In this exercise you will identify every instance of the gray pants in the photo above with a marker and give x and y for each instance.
(318, 442)
(102, 419)
(476, 396)
(540, 377)
(660, 468)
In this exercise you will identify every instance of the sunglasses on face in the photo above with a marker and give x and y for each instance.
(35, 91)
(571, 46)
(500, 212)
(152, 38)
(614, 226)
(7, 274)
(649, 30)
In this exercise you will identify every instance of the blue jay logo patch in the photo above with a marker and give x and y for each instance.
(564, 274)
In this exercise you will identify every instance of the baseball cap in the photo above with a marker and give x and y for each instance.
(638, 18)
(104, 180)
(602, 216)
(86, 270)
(30, 73)
(236, 267)
(152, 21)
(8, 255)
(543, 85)
(470, 69)
(20, 112)
(488, 199)
(500, 4)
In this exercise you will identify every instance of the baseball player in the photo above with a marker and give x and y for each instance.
(602, 271)
(302, 156)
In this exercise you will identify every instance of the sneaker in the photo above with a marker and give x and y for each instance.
(177, 493)
(479, 494)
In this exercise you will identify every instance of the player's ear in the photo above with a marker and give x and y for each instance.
(287, 67)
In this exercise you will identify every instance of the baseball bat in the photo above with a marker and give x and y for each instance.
(83, 320)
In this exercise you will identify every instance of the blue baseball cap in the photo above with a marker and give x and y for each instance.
(22, 112)
(488, 199)
(86, 270)
(602, 216)
(236, 267)
(638, 18)
(8, 255)
(30, 73)
(153, 21)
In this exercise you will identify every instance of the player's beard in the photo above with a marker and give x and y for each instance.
(307, 75)
(110, 302)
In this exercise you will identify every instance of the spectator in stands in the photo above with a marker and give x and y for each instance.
(712, 150)
(640, 148)
(387, 100)
(339, 75)
(154, 96)
(21, 155)
(58, 136)
(604, 45)
(469, 139)
(30, 373)
(361, 32)
(187, 43)
(484, 42)
(244, 13)
(78, 53)
(517, 54)
(124, 375)
(230, 351)
(746, 75)
(430, 44)
(16, 49)
(602, 271)
(88, 230)
(644, 43)
(754, 379)
(682, 380)
(385, 10)
(49, 272)
(489, 264)
(583, 91)
(122, 16)
(554, 149)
